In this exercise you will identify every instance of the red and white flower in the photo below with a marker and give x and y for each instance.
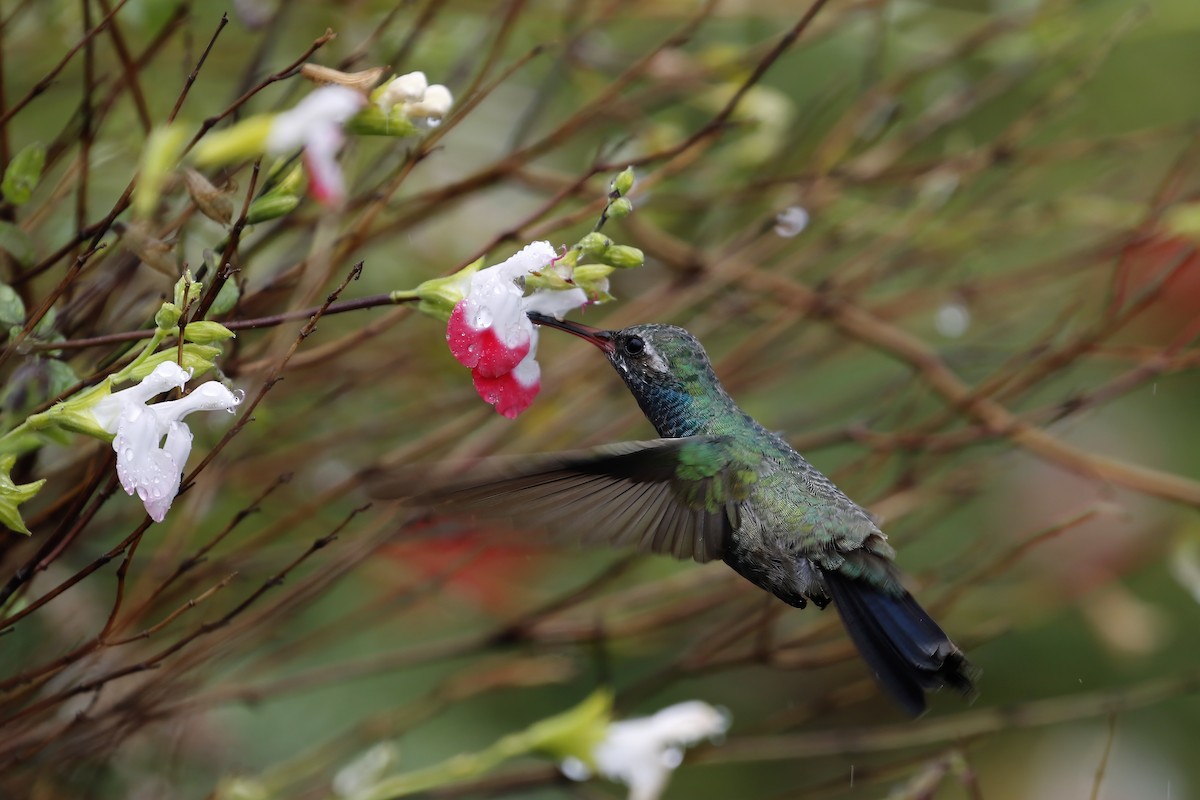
(490, 333)
(315, 124)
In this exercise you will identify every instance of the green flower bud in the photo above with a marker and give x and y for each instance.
(161, 153)
(593, 277)
(624, 256)
(190, 285)
(206, 332)
(167, 317)
(619, 208)
(594, 244)
(623, 181)
(23, 173)
(246, 139)
(271, 206)
(13, 495)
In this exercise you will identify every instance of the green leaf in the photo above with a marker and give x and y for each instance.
(12, 310)
(16, 243)
(226, 299)
(23, 173)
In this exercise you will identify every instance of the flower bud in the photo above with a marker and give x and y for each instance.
(594, 244)
(271, 206)
(623, 256)
(206, 332)
(167, 317)
(619, 208)
(191, 286)
(623, 182)
(13, 494)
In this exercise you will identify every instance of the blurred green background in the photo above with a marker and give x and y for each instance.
(1009, 188)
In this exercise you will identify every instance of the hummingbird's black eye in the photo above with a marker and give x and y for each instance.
(634, 346)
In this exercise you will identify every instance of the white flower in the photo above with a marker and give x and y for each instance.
(418, 101)
(315, 123)
(490, 333)
(151, 441)
(641, 753)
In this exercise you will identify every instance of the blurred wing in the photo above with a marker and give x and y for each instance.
(672, 496)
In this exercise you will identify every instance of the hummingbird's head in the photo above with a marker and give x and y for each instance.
(648, 357)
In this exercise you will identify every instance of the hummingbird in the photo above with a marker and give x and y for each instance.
(718, 485)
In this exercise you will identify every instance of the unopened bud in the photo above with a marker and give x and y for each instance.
(623, 182)
(594, 244)
(206, 332)
(624, 256)
(167, 316)
(619, 208)
(271, 206)
(187, 290)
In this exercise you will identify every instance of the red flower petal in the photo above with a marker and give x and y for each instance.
(508, 393)
(480, 348)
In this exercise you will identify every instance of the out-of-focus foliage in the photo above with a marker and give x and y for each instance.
(984, 332)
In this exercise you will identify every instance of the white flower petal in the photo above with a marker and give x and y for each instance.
(407, 88)
(641, 753)
(327, 105)
(167, 375)
(433, 107)
(555, 304)
(532, 257)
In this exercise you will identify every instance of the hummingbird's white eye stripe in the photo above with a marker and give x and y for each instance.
(656, 362)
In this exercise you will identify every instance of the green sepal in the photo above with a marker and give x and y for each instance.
(23, 173)
(13, 495)
(374, 121)
(576, 732)
(437, 297)
(199, 358)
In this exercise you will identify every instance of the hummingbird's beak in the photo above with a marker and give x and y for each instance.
(597, 336)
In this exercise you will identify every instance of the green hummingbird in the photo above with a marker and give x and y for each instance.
(718, 485)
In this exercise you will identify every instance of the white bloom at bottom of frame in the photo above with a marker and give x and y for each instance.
(642, 752)
(152, 442)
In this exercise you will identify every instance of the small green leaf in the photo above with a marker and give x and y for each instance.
(61, 377)
(16, 243)
(226, 299)
(12, 310)
(23, 173)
